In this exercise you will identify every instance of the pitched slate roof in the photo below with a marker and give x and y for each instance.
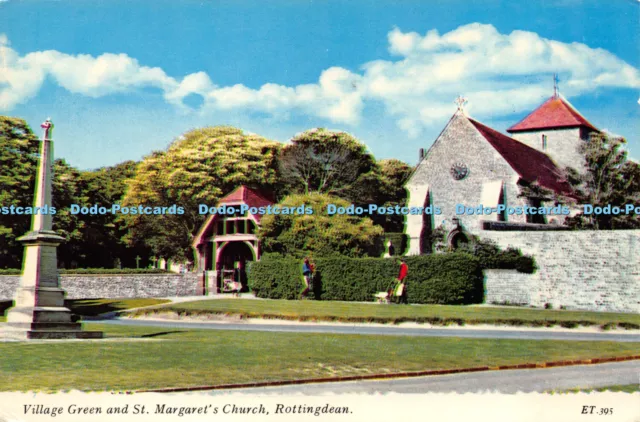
(554, 113)
(531, 164)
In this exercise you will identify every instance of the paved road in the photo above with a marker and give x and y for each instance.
(508, 382)
(383, 330)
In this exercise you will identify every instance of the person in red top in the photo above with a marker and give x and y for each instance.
(401, 289)
(404, 269)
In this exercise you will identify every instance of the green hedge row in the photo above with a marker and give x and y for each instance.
(17, 271)
(274, 278)
(491, 256)
(454, 278)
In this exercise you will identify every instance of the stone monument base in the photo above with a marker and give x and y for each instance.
(41, 322)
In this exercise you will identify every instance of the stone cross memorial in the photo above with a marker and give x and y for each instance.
(39, 311)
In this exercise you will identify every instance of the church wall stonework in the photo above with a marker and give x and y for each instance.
(509, 287)
(459, 142)
(115, 286)
(562, 145)
(580, 270)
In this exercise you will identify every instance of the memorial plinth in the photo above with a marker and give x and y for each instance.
(39, 311)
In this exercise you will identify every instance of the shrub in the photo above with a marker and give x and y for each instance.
(113, 271)
(353, 279)
(276, 278)
(492, 257)
(10, 271)
(319, 235)
(454, 278)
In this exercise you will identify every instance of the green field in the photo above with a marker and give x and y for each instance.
(372, 312)
(144, 357)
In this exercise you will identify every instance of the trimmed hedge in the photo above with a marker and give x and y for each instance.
(454, 278)
(17, 271)
(114, 271)
(10, 271)
(492, 257)
(275, 278)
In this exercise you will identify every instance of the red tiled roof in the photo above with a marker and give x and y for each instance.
(531, 164)
(556, 112)
(247, 196)
(241, 194)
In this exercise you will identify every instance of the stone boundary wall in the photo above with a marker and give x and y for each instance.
(116, 286)
(508, 287)
(596, 270)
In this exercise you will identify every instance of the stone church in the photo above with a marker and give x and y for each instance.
(471, 164)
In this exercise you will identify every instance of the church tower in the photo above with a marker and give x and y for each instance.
(557, 129)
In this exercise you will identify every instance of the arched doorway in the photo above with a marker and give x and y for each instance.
(458, 239)
(232, 261)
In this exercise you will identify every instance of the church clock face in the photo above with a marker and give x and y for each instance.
(459, 171)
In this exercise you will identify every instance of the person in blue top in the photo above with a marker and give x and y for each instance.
(307, 275)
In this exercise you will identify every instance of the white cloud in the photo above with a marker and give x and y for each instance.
(498, 73)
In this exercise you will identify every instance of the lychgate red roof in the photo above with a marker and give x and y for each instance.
(247, 196)
(531, 164)
(240, 195)
(554, 113)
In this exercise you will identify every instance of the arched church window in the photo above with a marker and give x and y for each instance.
(536, 218)
(544, 142)
(502, 216)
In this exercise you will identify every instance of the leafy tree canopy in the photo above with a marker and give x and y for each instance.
(391, 192)
(329, 162)
(320, 234)
(198, 168)
(91, 240)
(18, 164)
(609, 179)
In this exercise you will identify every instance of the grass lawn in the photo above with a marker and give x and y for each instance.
(372, 312)
(147, 357)
(629, 388)
(91, 307)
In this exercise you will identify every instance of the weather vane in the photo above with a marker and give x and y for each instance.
(460, 102)
(555, 85)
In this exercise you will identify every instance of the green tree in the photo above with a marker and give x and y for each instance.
(329, 162)
(319, 234)
(90, 240)
(18, 165)
(391, 192)
(100, 241)
(198, 168)
(609, 179)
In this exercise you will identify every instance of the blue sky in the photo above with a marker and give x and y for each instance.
(121, 79)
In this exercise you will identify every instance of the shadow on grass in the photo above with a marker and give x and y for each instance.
(94, 307)
(163, 333)
(89, 309)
